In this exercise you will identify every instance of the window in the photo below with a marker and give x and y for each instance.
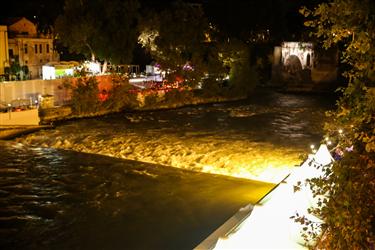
(11, 53)
(36, 48)
(308, 60)
(47, 48)
(25, 49)
(40, 48)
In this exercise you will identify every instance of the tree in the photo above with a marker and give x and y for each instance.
(175, 38)
(348, 186)
(181, 40)
(99, 28)
(118, 30)
(76, 27)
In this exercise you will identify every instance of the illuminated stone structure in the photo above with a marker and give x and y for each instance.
(4, 56)
(302, 66)
(295, 54)
(28, 47)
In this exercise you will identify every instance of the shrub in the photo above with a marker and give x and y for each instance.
(176, 96)
(151, 100)
(121, 96)
(243, 77)
(349, 185)
(85, 96)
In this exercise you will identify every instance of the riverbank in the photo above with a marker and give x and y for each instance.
(64, 113)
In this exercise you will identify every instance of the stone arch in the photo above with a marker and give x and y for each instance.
(293, 64)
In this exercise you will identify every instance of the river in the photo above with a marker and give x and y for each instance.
(144, 180)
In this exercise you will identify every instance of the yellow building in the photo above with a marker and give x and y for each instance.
(4, 56)
(28, 47)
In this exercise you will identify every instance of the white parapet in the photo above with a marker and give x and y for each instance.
(268, 225)
(26, 117)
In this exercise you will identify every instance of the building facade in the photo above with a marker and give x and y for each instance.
(4, 56)
(28, 48)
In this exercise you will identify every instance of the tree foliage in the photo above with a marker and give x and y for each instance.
(181, 36)
(85, 96)
(250, 18)
(349, 185)
(106, 29)
(175, 37)
(351, 24)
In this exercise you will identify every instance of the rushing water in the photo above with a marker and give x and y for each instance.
(53, 197)
(260, 139)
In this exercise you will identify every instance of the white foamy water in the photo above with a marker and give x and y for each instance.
(261, 141)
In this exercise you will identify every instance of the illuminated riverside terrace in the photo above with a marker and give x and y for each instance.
(107, 183)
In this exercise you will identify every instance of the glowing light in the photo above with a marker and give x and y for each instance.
(329, 142)
(48, 72)
(323, 155)
(188, 67)
(327, 138)
(299, 49)
(269, 224)
(93, 67)
(312, 146)
(341, 131)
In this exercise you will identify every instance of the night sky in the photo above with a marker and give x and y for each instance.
(235, 17)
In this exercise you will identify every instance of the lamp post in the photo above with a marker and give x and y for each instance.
(10, 110)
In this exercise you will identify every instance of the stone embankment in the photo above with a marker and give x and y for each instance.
(10, 132)
(60, 113)
(50, 115)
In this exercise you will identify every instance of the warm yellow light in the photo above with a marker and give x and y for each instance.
(269, 225)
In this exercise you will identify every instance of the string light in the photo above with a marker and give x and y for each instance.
(340, 131)
(312, 146)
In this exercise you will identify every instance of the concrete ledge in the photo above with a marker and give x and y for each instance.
(226, 229)
(26, 117)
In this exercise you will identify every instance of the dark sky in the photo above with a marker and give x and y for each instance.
(235, 17)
